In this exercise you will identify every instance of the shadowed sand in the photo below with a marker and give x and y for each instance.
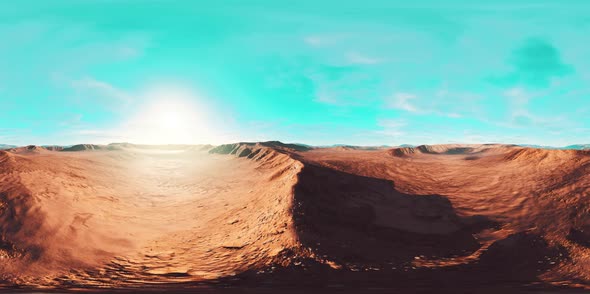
(486, 217)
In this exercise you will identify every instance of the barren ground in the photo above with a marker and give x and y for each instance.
(486, 217)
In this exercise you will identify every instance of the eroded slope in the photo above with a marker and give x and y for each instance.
(125, 218)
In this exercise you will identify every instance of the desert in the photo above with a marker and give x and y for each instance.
(263, 215)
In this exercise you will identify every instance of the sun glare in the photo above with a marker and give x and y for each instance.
(170, 118)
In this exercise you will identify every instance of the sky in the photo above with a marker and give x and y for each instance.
(315, 72)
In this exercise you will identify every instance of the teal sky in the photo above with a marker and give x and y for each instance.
(316, 72)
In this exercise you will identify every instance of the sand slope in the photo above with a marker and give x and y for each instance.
(259, 213)
(136, 216)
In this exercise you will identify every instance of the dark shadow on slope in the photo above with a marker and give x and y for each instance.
(580, 236)
(519, 257)
(355, 219)
(472, 157)
(20, 225)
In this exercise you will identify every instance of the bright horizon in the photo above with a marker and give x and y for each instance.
(371, 73)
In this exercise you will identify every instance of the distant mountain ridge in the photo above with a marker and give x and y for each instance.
(569, 147)
(294, 146)
(578, 146)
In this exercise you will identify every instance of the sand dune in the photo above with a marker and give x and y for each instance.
(251, 214)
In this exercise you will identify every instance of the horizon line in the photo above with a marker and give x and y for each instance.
(295, 143)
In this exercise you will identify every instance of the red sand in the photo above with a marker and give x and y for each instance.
(432, 217)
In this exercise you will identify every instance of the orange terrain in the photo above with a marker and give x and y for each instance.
(249, 215)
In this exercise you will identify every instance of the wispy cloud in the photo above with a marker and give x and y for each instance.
(314, 40)
(521, 115)
(441, 103)
(101, 89)
(358, 58)
(343, 86)
(518, 96)
(391, 127)
(326, 98)
(319, 40)
(402, 101)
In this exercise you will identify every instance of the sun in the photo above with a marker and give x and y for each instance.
(173, 121)
(170, 118)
